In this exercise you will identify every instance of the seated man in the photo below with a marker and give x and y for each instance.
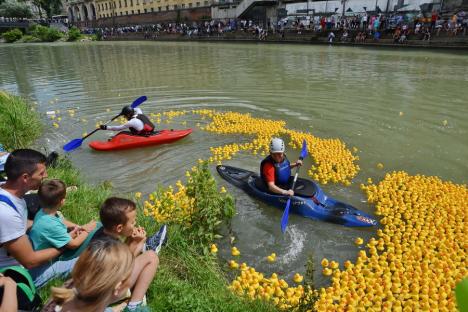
(25, 170)
(275, 169)
(137, 123)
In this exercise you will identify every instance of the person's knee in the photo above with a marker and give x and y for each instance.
(151, 258)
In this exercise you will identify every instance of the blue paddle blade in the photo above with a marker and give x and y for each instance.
(138, 101)
(304, 149)
(70, 146)
(284, 218)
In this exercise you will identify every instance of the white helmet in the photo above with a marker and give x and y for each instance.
(276, 145)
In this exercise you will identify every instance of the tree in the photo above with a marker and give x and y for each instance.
(15, 9)
(51, 7)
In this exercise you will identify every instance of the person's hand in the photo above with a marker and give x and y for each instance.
(288, 192)
(88, 227)
(299, 162)
(6, 281)
(74, 232)
(139, 234)
(103, 127)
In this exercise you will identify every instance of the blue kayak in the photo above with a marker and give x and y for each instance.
(309, 200)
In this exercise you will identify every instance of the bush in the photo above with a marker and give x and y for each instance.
(74, 34)
(53, 35)
(199, 207)
(12, 35)
(19, 123)
(29, 38)
(45, 34)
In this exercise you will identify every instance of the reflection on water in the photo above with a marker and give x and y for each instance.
(390, 104)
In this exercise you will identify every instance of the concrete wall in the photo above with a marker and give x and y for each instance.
(223, 12)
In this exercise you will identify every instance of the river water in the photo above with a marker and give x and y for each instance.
(406, 109)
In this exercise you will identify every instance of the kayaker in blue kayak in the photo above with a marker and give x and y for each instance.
(138, 123)
(275, 169)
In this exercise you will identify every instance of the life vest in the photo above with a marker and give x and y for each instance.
(282, 170)
(148, 126)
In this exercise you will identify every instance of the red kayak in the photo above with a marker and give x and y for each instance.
(126, 141)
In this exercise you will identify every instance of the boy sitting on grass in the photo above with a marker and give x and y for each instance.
(118, 217)
(50, 229)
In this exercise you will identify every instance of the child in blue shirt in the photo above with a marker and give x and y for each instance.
(50, 228)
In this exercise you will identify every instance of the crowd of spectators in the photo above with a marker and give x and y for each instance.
(358, 28)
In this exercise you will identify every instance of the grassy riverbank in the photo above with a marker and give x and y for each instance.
(188, 279)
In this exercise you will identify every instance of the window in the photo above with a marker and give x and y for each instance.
(126, 12)
(159, 9)
(183, 5)
(206, 2)
(138, 11)
(198, 3)
(146, 11)
(189, 5)
(106, 5)
(167, 8)
(126, 3)
(131, 2)
(120, 13)
(120, 3)
(152, 9)
(137, 2)
(133, 12)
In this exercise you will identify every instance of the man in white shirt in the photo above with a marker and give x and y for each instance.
(25, 170)
(137, 123)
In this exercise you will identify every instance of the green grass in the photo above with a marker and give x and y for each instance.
(20, 125)
(188, 281)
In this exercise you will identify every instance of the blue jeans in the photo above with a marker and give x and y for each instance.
(46, 272)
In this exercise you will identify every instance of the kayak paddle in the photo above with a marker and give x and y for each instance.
(284, 218)
(75, 143)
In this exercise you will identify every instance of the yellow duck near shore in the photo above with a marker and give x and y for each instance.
(235, 252)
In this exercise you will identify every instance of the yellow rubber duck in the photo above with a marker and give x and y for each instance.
(324, 262)
(271, 258)
(235, 252)
(334, 265)
(298, 278)
(233, 264)
(358, 241)
(213, 249)
(327, 272)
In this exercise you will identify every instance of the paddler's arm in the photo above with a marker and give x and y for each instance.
(133, 123)
(272, 187)
(296, 164)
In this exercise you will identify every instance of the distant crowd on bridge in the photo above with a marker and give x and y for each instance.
(350, 28)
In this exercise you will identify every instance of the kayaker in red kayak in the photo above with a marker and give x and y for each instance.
(138, 123)
(275, 169)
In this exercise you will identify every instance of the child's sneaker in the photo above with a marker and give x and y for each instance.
(138, 308)
(157, 240)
